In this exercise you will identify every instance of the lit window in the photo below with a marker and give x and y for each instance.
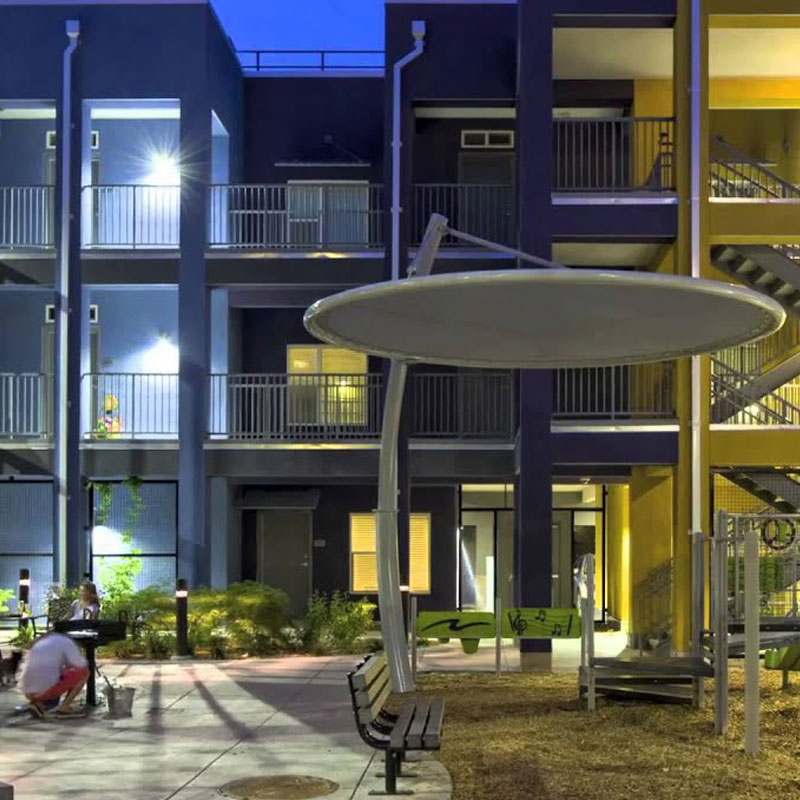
(328, 385)
(363, 561)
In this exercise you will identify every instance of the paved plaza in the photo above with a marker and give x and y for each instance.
(197, 726)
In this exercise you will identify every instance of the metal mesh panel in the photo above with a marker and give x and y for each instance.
(26, 517)
(156, 571)
(41, 568)
(733, 499)
(155, 528)
(778, 565)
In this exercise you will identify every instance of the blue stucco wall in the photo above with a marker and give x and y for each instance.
(131, 321)
(22, 150)
(287, 118)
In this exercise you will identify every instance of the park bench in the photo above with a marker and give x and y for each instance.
(416, 727)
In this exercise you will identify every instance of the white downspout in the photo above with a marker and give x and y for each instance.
(62, 287)
(696, 256)
(418, 32)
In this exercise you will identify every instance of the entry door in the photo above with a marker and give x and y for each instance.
(562, 559)
(284, 555)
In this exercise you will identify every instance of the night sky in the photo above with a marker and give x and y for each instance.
(304, 24)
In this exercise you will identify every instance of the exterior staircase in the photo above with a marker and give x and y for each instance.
(745, 379)
(777, 490)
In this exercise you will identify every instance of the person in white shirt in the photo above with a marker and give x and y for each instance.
(54, 667)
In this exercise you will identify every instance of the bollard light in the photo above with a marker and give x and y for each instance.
(182, 618)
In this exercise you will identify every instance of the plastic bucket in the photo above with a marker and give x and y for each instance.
(120, 700)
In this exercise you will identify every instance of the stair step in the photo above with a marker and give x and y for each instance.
(664, 693)
(678, 667)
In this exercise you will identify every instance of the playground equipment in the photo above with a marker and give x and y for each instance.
(641, 677)
(754, 606)
(510, 623)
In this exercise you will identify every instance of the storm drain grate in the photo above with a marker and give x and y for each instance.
(278, 787)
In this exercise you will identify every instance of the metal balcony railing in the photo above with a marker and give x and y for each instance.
(620, 154)
(461, 405)
(131, 217)
(302, 215)
(125, 405)
(323, 60)
(26, 216)
(480, 209)
(26, 404)
(734, 174)
(623, 393)
(280, 407)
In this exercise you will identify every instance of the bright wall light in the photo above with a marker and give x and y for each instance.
(162, 358)
(163, 170)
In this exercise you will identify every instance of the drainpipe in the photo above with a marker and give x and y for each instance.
(418, 32)
(63, 289)
(696, 255)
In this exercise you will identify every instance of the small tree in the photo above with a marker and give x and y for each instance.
(5, 596)
(118, 579)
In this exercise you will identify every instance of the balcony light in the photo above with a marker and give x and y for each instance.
(163, 170)
(162, 358)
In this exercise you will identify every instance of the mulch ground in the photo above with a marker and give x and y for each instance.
(525, 737)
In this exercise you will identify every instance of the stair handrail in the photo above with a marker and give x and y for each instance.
(741, 400)
(789, 188)
(748, 179)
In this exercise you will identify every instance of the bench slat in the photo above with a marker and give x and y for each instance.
(365, 697)
(366, 715)
(417, 728)
(433, 731)
(397, 738)
(369, 671)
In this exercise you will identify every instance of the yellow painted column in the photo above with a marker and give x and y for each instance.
(599, 560)
(682, 485)
(618, 549)
(792, 157)
(651, 531)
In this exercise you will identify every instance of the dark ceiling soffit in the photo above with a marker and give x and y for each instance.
(614, 20)
(280, 297)
(274, 500)
(325, 164)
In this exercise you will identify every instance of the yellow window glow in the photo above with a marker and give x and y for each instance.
(419, 554)
(363, 560)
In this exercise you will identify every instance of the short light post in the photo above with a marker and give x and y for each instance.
(182, 618)
(24, 592)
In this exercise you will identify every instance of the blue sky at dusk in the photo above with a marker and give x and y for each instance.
(303, 24)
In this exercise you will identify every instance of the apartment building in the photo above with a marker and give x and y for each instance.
(169, 207)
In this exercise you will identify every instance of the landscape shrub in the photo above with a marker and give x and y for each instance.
(335, 623)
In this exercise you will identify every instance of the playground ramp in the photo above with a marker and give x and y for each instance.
(666, 680)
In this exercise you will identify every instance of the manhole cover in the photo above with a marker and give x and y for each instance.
(278, 787)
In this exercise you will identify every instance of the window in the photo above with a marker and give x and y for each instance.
(327, 385)
(364, 564)
(487, 140)
(51, 139)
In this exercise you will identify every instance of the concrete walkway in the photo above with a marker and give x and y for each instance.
(566, 654)
(198, 725)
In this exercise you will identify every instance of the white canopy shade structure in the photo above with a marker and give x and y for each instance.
(535, 318)
(519, 318)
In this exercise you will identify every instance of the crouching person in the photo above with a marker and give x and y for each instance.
(54, 667)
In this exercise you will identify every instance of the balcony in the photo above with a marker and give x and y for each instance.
(131, 217)
(628, 394)
(26, 217)
(621, 154)
(26, 406)
(296, 216)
